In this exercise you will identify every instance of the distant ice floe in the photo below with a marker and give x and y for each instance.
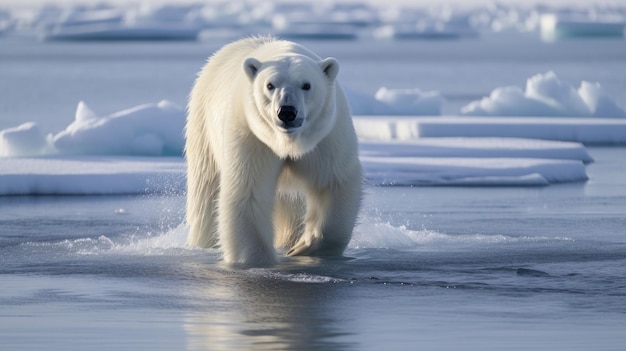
(546, 95)
(106, 32)
(311, 20)
(429, 26)
(563, 26)
(161, 23)
(321, 21)
(396, 102)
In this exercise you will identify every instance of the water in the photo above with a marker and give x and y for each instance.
(442, 268)
(428, 268)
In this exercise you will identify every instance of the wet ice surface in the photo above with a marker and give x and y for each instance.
(432, 267)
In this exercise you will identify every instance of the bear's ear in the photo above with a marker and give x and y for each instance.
(330, 67)
(251, 66)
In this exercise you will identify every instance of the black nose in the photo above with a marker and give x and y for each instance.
(287, 113)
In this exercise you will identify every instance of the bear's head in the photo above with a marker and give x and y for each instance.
(294, 101)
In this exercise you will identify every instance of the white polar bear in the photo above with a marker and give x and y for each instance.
(272, 154)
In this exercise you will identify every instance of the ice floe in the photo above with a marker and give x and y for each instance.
(484, 162)
(82, 175)
(475, 148)
(555, 26)
(471, 171)
(79, 158)
(107, 154)
(590, 131)
(311, 20)
(147, 129)
(396, 102)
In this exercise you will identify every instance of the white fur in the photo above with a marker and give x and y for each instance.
(253, 183)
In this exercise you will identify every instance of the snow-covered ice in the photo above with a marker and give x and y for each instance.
(547, 95)
(590, 131)
(23, 140)
(147, 129)
(471, 171)
(107, 175)
(164, 22)
(411, 101)
(492, 151)
(81, 175)
(428, 161)
(329, 19)
(476, 147)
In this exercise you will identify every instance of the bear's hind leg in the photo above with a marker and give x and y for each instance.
(202, 196)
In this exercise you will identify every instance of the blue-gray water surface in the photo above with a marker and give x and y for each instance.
(428, 268)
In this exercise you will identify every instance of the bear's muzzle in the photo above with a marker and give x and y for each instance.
(287, 113)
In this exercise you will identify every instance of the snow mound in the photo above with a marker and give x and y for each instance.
(546, 95)
(148, 130)
(411, 101)
(23, 140)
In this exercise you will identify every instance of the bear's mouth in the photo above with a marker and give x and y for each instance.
(291, 126)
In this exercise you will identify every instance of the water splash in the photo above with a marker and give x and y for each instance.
(169, 242)
(384, 235)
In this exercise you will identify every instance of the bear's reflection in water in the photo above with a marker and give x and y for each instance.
(285, 308)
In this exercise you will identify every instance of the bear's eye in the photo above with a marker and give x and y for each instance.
(270, 86)
(306, 86)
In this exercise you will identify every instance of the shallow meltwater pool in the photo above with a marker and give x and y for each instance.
(428, 267)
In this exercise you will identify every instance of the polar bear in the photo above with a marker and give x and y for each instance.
(272, 154)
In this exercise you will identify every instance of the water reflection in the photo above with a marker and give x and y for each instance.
(269, 309)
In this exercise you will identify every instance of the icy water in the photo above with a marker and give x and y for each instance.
(428, 268)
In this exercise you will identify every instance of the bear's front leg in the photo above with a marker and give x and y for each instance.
(247, 191)
(317, 202)
(330, 218)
